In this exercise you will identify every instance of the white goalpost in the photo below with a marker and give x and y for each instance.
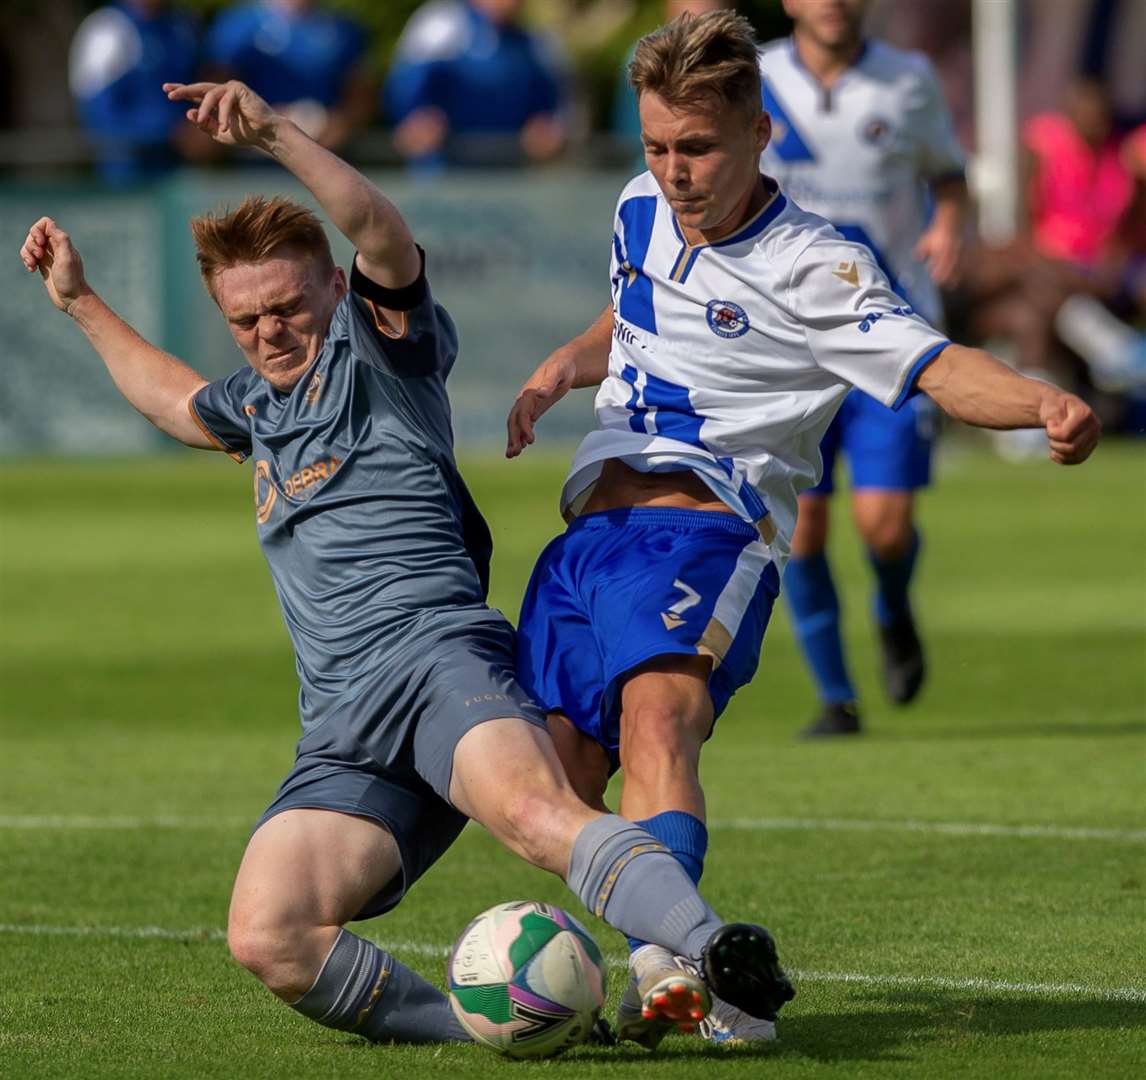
(995, 169)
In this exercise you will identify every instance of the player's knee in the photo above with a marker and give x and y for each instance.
(888, 536)
(657, 739)
(811, 535)
(885, 520)
(256, 946)
(531, 823)
(270, 951)
(251, 947)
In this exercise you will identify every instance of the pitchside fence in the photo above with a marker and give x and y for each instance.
(519, 259)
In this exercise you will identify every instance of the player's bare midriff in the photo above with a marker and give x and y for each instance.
(620, 486)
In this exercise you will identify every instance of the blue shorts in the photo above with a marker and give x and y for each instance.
(396, 769)
(624, 586)
(886, 449)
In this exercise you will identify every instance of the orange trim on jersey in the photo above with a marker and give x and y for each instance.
(212, 438)
(383, 324)
(677, 272)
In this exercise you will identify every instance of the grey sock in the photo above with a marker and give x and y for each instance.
(628, 878)
(363, 989)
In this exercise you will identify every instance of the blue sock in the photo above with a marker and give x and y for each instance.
(816, 612)
(893, 578)
(686, 837)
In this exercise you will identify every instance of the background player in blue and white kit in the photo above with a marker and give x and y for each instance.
(308, 62)
(412, 719)
(468, 73)
(861, 136)
(119, 54)
(738, 325)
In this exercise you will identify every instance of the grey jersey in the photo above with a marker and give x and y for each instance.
(375, 547)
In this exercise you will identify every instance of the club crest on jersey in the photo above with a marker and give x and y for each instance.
(726, 319)
(876, 131)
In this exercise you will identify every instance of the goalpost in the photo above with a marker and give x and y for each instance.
(995, 170)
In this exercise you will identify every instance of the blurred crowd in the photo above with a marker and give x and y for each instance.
(472, 82)
(1069, 292)
(468, 81)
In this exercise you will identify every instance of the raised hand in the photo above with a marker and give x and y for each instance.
(547, 386)
(1072, 429)
(231, 112)
(49, 249)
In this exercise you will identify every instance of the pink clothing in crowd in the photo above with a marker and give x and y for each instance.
(1078, 193)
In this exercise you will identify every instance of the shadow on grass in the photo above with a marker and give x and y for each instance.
(918, 1020)
(885, 1026)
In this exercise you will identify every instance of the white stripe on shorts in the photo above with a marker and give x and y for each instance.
(734, 599)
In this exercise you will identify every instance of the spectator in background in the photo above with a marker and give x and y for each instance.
(468, 68)
(861, 135)
(1111, 339)
(1079, 185)
(943, 33)
(626, 121)
(119, 58)
(310, 64)
(1080, 189)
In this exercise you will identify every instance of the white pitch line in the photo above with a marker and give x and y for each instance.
(138, 932)
(946, 828)
(119, 821)
(774, 824)
(418, 948)
(162, 933)
(33, 822)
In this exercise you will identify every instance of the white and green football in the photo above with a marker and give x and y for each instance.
(526, 979)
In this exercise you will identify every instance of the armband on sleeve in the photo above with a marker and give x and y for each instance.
(404, 299)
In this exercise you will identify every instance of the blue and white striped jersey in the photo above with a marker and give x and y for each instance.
(730, 359)
(862, 153)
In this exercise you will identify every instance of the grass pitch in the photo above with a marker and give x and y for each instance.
(960, 892)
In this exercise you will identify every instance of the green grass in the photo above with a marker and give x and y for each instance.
(146, 672)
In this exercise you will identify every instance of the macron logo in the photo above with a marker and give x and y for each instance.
(849, 273)
(674, 617)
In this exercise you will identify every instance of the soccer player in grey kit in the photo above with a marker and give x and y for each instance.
(412, 718)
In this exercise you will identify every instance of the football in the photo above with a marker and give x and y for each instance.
(526, 979)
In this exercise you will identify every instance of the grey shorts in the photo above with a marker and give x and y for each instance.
(396, 767)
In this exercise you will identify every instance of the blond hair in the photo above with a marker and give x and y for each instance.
(255, 230)
(699, 56)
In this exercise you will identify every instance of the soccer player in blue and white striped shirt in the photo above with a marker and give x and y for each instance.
(738, 325)
(862, 136)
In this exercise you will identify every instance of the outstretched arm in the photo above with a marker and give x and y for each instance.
(233, 114)
(584, 361)
(971, 385)
(156, 383)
